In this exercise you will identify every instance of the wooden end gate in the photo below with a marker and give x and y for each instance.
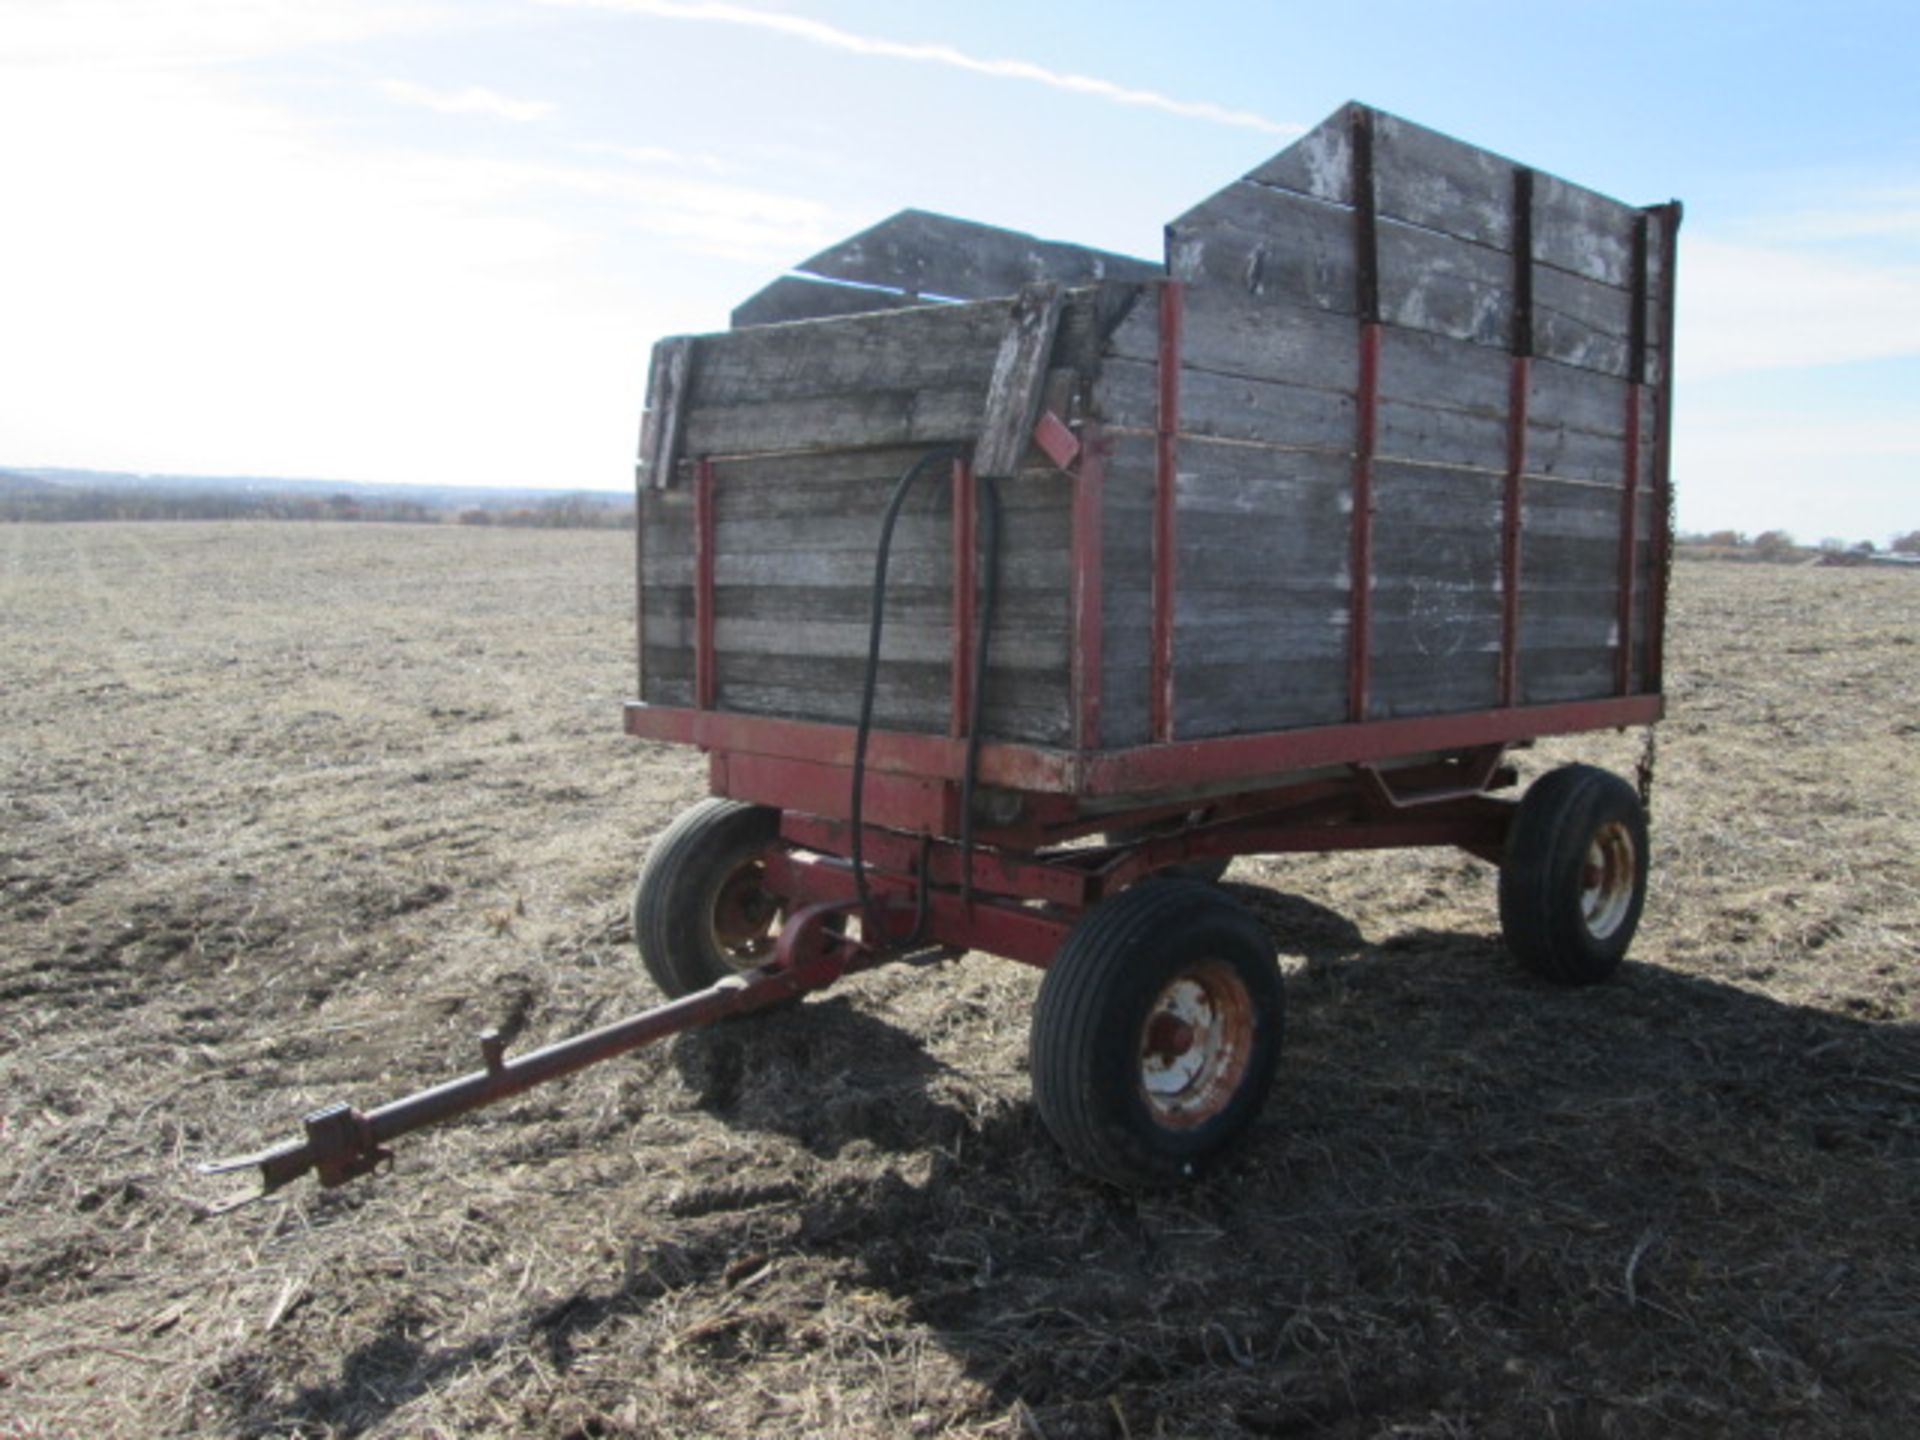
(997, 577)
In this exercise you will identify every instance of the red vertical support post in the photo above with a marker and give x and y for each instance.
(1089, 518)
(704, 679)
(1165, 493)
(1663, 433)
(639, 586)
(1367, 295)
(1630, 472)
(965, 595)
(1519, 378)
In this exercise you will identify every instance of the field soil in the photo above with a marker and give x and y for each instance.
(290, 813)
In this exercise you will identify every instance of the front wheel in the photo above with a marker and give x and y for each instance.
(702, 910)
(1574, 876)
(1156, 1033)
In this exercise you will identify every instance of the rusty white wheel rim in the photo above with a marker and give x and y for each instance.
(1607, 880)
(1196, 1044)
(744, 915)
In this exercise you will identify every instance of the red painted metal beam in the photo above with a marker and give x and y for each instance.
(994, 872)
(1249, 757)
(704, 663)
(1145, 768)
(1089, 519)
(907, 802)
(1165, 498)
(1016, 767)
(1018, 932)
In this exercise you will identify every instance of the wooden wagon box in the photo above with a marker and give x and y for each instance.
(1373, 466)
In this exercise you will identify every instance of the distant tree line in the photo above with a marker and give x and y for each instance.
(69, 503)
(1778, 545)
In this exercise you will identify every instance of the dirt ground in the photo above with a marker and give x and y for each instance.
(288, 814)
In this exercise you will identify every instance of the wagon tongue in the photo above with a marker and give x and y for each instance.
(340, 1146)
(343, 1143)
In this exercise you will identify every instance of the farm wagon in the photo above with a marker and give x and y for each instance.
(1012, 588)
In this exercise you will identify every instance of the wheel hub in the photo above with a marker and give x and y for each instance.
(1195, 1045)
(744, 912)
(1607, 880)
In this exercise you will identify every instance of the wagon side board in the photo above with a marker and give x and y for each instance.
(798, 434)
(1420, 453)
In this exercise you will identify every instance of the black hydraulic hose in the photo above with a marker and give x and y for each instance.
(876, 620)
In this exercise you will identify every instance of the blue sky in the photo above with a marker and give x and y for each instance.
(434, 242)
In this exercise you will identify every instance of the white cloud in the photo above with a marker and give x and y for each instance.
(194, 282)
(832, 37)
(185, 32)
(473, 100)
(1770, 307)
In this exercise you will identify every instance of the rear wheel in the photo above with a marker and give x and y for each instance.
(1156, 1033)
(702, 910)
(1574, 877)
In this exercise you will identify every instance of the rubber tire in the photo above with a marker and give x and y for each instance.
(1084, 1047)
(1541, 874)
(1210, 871)
(680, 884)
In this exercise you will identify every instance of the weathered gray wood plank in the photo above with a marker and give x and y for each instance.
(1266, 242)
(1582, 231)
(922, 253)
(826, 569)
(1264, 337)
(660, 423)
(1433, 180)
(1019, 373)
(1549, 676)
(1563, 396)
(874, 417)
(1016, 706)
(1440, 284)
(927, 347)
(1433, 370)
(1319, 163)
(806, 297)
(1231, 699)
(1227, 407)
